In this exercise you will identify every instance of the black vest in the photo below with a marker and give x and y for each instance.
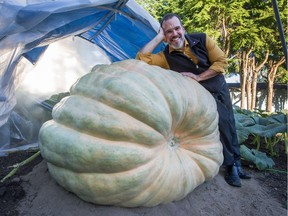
(179, 62)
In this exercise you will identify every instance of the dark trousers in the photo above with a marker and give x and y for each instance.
(228, 135)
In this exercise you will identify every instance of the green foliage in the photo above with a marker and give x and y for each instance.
(233, 66)
(261, 125)
(282, 75)
(260, 159)
(156, 8)
(53, 100)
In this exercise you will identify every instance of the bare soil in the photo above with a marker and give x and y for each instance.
(11, 190)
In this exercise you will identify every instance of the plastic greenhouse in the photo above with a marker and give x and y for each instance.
(45, 45)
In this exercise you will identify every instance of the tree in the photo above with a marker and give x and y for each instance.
(255, 74)
(267, 24)
(156, 8)
(272, 67)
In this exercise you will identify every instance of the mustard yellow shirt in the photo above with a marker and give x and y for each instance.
(215, 54)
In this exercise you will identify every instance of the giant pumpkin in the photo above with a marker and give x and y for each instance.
(131, 134)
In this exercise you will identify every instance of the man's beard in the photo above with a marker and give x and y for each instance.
(179, 46)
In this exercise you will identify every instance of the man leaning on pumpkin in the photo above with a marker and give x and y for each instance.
(197, 56)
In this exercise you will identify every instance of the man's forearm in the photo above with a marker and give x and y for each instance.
(203, 76)
(207, 75)
(150, 46)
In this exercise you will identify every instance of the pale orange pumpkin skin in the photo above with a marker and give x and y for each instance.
(133, 135)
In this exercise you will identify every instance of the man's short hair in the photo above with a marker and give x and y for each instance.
(169, 16)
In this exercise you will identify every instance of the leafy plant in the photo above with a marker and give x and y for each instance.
(260, 159)
(53, 100)
(263, 126)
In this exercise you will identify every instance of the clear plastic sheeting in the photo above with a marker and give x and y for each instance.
(32, 68)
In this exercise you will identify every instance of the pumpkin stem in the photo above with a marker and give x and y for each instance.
(173, 143)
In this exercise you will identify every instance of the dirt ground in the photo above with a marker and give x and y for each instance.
(32, 192)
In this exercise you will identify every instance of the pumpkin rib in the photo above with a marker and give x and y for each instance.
(202, 151)
(167, 95)
(187, 83)
(199, 131)
(201, 161)
(196, 176)
(92, 158)
(148, 193)
(159, 180)
(117, 125)
(104, 186)
(202, 123)
(108, 98)
(200, 135)
(170, 187)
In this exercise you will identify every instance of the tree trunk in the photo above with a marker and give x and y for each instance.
(248, 84)
(243, 76)
(255, 72)
(270, 93)
(273, 66)
(254, 90)
(226, 37)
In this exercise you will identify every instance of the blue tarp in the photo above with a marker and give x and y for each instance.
(120, 28)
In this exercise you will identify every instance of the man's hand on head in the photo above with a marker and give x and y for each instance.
(161, 34)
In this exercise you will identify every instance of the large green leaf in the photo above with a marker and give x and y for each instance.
(267, 130)
(53, 100)
(242, 135)
(275, 118)
(260, 159)
(278, 118)
(248, 122)
(260, 120)
(244, 120)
